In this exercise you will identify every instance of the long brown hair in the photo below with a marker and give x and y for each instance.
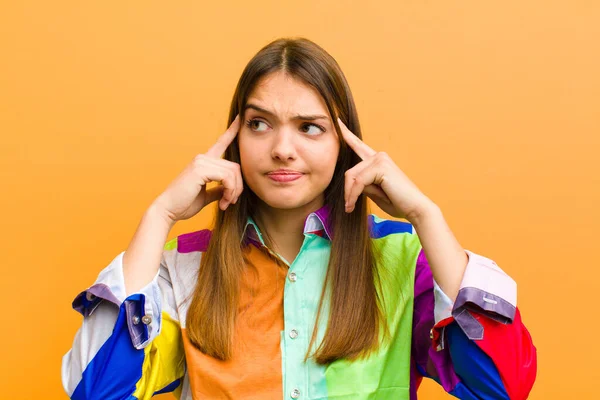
(355, 314)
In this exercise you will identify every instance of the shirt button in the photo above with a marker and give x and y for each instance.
(295, 394)
(293, 277)
(135, 320)
(146, 319)
(431, 334)
(293, 334)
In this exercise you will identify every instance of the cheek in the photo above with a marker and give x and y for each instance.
(251, 157)
(246, 154)
(323, 158)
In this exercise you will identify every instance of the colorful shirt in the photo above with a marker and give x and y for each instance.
(135, 346)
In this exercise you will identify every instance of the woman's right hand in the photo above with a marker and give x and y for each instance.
(187, 194)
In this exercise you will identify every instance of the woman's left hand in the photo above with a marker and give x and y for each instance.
(382, 181)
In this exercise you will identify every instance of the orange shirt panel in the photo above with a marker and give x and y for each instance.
(254, 372)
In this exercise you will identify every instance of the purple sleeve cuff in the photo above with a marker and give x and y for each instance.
(485, 289)
(143, 308)
(108, 286)
(488, 288)
(87, 301)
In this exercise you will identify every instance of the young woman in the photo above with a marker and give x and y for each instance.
(297, 292)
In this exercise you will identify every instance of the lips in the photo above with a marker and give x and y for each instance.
(284, 172)
(284, 175)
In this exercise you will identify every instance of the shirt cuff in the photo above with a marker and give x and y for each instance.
(485, 289)
(143, 308)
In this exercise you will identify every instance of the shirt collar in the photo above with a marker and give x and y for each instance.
(318, 222)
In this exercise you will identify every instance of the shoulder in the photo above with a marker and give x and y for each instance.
(395, 241)
(189, 242)
(182, 254)
(181, 261)
(381, 227)
(388, 231)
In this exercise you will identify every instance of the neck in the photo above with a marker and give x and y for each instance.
(285, 227)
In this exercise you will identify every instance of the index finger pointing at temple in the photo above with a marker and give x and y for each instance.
(225, 139)
(359, 147)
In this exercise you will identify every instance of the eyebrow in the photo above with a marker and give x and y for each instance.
(295, 117)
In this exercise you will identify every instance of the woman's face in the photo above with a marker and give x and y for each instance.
(288, 144)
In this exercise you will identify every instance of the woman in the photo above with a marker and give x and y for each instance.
(297, 292)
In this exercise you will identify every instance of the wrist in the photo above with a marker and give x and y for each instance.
(424, 212)
(156, 212)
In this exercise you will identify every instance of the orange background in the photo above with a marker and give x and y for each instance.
(492, 108)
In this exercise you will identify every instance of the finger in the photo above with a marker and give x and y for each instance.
(228, 174)
(216, 171)
(238, 185)
(364, 178)
(355, 190)
(225, 139)
(239, 182)
(351, 174)
(229, 187)
(359, 147)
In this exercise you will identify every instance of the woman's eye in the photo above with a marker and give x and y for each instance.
(317, 129)
(255, 125)
(260, 126)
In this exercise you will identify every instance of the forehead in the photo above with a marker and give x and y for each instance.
(284, 94)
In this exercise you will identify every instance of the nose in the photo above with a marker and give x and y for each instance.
(283, 147)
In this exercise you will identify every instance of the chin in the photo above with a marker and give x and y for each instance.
(284, 203)
(284, 200)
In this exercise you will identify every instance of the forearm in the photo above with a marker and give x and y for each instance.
(141, 260)
(447, 258)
